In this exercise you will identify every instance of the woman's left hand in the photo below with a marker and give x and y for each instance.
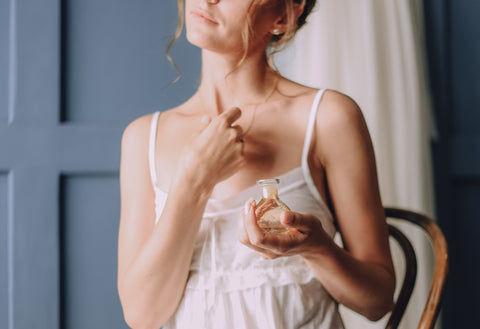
(304, 237)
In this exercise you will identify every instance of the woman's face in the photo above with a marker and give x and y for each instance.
(217, 25)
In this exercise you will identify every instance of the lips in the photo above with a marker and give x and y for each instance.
(203, 15)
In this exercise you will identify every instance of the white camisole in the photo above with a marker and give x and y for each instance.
(229, 285)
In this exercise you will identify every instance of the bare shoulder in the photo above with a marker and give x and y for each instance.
(337, 109)
(340, 125)
(134, 178)
(136, 133)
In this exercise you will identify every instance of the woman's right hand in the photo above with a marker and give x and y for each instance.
(154, 261)
(216, 151)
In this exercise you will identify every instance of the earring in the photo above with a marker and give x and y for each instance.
(276, 31)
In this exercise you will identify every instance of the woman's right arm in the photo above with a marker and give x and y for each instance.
(154, 260)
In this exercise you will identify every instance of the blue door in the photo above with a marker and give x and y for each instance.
(73, 74)
(454, 56)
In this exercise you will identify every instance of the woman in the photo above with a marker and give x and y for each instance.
(188, 257)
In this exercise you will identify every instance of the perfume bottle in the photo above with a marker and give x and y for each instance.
(270, 207)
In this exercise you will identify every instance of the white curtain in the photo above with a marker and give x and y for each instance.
(373, 51)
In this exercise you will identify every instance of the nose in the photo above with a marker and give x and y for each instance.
(213, 2)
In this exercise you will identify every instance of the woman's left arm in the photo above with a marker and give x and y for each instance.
(360, 275)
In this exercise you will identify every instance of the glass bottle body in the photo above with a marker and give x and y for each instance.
(270, 207)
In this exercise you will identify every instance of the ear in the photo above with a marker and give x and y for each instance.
(298, 8)
(279, 27)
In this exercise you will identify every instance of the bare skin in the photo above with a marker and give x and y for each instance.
(200, 154)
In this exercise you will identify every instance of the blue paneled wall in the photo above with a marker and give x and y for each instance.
(73, 74)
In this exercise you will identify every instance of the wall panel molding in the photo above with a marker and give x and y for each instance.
(6, 250)
(4, 58)
(36, 57)
(113, 61)
(6, 51)
(88, 245)
(73, 74)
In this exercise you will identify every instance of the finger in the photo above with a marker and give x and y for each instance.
(231, 115)
(266, 254)
(244, 239)
(255, 234)
(204, 122)
(242, 233)
(242, 146)
(302, 222)
(238, 150)
(239, 132)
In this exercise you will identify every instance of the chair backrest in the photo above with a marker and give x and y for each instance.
(432, 305)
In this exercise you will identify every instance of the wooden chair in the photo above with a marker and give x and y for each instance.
(432, 306)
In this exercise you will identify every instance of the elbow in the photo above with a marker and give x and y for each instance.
(132, 315)
(136, 322)
(137, 316)
(142, 319)
(132, 319)
(383, 301)
(143, 312)
(384, 304)
(377, 313)
(380, 303)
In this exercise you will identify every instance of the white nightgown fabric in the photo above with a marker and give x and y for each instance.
(229, 285)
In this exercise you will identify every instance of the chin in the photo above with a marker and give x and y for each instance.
(200, 41)
(210, 43)
(196, 36)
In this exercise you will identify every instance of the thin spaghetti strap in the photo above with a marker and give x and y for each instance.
(311, 125)
(151, 148)
(308, 141)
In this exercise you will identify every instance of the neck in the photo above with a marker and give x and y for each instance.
(224, 85)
